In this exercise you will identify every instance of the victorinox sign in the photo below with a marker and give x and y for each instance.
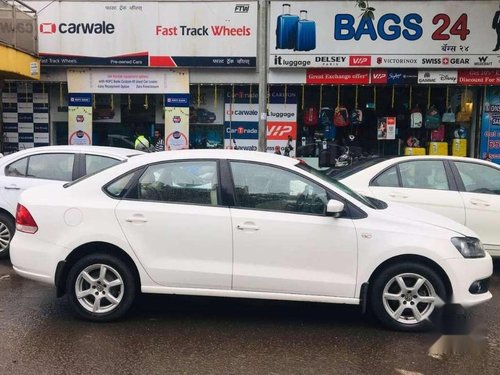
(99, 28)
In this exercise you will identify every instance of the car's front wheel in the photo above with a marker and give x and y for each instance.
(7, 228)
(101, 287)
(405, 296)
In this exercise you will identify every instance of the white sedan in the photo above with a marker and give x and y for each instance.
(47, 165)
(241, 224)
(464, 189)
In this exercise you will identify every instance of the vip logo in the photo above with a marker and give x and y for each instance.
(48, 28)
(279, 131)
(379, 76)
(241, 8)
(360, 60)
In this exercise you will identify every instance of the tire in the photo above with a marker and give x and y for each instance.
(7, 229)
(397, 304)
(116, 290)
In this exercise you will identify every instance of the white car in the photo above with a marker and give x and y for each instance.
(44, 165)
(464, 189)
(241, 224)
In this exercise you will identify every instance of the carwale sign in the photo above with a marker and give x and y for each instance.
(402, 34)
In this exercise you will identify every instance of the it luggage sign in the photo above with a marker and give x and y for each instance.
(403, 34)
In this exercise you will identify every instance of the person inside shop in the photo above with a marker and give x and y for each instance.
(141, 142)
(496, 26)
(289, 146)
(277, 150)
(159, 143)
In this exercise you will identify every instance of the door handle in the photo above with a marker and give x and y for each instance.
(136, 219)
(479, 202)
(398, 195)
(247, 227)
(12, 187)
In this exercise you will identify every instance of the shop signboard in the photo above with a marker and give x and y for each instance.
(338, 76)
(386, 128)
(490, 128)
(479, 77)
(241, 118)
(147, 34)
(402, 34)
(282, 120)
(176, 121)
(437, 77)
(80, 119)
(402, 76)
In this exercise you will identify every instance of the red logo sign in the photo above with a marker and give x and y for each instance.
(360, 60)
(176, 119)
(338, 76)
(48, 28)
(241, 130)
(281, 130)
(80, 118)
(479, 76)
(446, 61)
(379, 76)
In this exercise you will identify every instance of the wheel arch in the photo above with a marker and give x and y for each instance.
(414, 259)
(5, 212)
(64, 266)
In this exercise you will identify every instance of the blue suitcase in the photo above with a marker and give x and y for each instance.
(286, 29)
(306, 33)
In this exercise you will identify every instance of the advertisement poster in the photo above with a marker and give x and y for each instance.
(142, 34)
(176, 121)
(80, 119)
(241, 118)
(490, 129)
(206, 117)
(402, 34)
(386, 128)
(282, 121)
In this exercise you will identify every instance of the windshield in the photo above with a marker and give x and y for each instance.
(360, 198)
(341, 173)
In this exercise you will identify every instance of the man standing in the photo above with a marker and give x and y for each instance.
(159, 143)
(496, 26)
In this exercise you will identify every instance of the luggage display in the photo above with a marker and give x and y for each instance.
(311, 116)
(416, 118)
(414, 151)
(286, 29)
(438, 134)
(341, 116)
(306, 33)
(432, 118)
(459, 147)
(438, 148)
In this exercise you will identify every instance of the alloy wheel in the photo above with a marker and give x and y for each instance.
(5, 237)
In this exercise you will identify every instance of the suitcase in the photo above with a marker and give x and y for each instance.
(459, 147)
(438, 148)
(286, 29)
(414, 151)
(306, 33)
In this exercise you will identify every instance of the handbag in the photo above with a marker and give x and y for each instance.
(448, 116)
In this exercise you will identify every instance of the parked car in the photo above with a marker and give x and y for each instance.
(464, 189)
(201, 116)
(42, 165)
(102, 112)
(241, 224)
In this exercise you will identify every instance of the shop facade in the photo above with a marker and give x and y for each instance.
(419, 77)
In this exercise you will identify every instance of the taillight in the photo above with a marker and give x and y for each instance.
(24, 221)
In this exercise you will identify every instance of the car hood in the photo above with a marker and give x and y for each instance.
(417, 215)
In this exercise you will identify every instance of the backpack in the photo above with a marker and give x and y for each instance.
(356, 117)
(416, 118)
(311, 116)
(341, 117)
(432, 118)
(325, 117)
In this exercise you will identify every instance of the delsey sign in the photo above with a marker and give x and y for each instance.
(77, 28)
(406, 33)
(148, 34)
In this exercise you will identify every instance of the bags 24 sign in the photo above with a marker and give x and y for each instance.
(418, 34)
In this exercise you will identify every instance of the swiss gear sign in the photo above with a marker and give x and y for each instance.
(311, 116)
(341, 117)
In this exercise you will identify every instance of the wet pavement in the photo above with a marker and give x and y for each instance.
(199, 335)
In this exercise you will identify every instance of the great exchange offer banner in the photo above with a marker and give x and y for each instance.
(423, 34)
(141, 34)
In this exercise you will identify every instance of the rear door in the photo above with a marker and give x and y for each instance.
(427, 184)
(174, 221)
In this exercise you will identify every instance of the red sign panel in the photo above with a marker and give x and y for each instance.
(479, 77)
(360, 60)
(281, 130)
(379, 76)
(338, 76)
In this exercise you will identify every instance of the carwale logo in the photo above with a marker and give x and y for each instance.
(77, 28)
(360, 60)
(48, 28)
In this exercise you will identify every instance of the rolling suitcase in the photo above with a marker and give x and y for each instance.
(306, 33)
(286, 29)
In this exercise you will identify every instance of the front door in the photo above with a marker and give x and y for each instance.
(176, 226)
(283, 241)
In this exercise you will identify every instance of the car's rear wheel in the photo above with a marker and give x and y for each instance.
(101, 287)
(7, 228)
(405, 296)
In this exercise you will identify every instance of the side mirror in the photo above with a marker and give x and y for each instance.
(334, 207)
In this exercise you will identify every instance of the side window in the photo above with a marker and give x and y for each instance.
(117, 188)
(388, 178)
(180, 182)
(268, 188)
(424, 174)
(96, 163)
(51, 166)
(479, 178)
(17, 169)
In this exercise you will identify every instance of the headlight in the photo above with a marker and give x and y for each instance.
(469, 247)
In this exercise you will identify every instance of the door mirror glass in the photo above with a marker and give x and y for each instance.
(334, 207)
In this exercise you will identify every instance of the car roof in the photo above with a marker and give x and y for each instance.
(441, 157)
(101, 150)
